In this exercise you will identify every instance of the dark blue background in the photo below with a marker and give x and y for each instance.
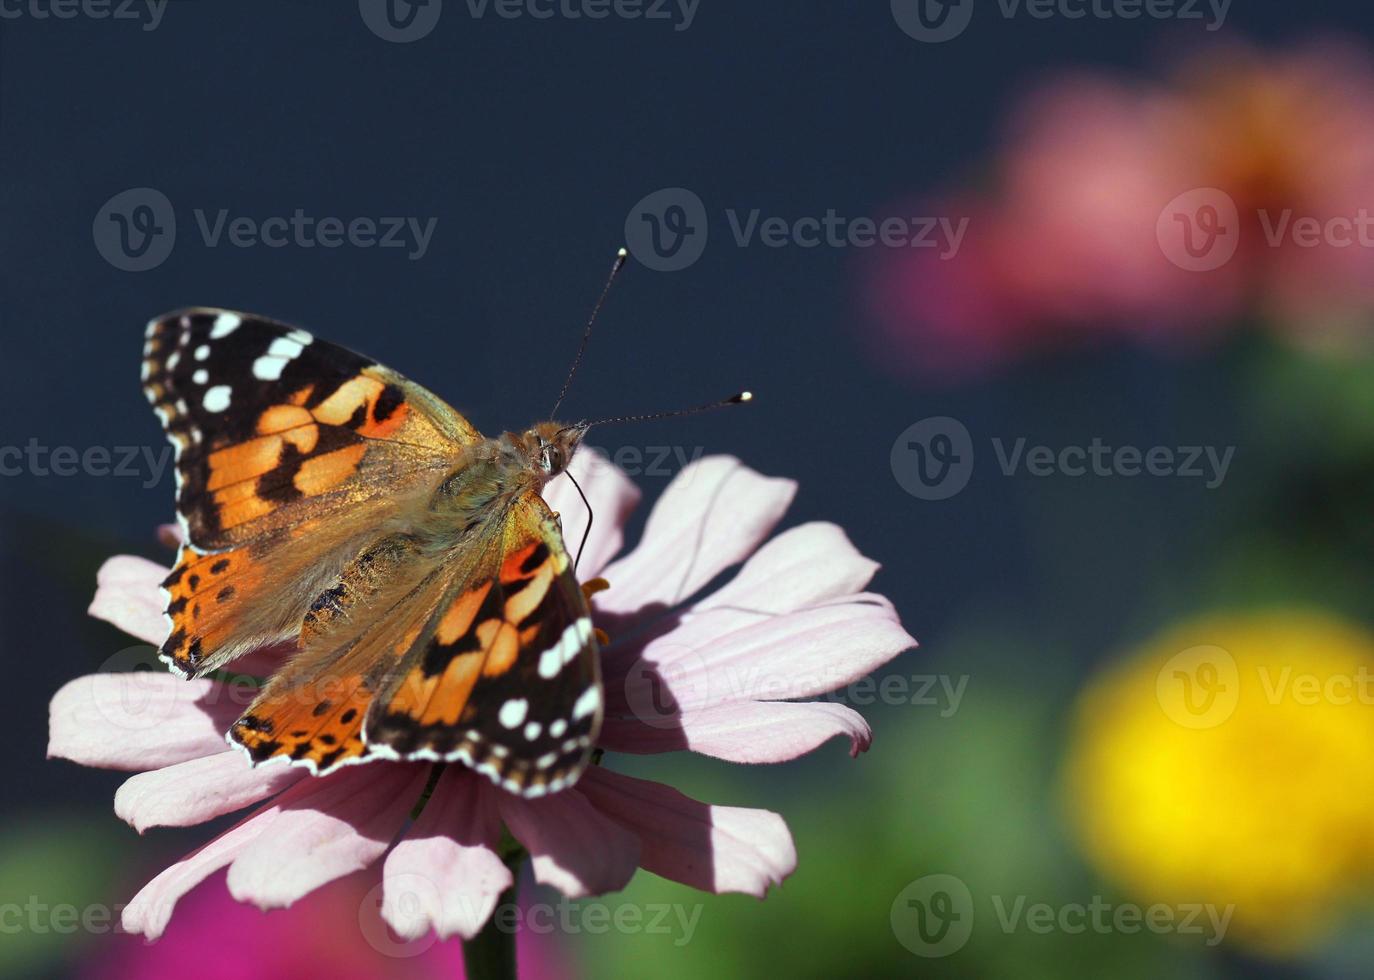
(529, 142)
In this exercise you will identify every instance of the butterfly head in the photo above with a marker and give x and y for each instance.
(551, 446)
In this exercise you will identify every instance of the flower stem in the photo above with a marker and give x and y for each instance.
(490, 955)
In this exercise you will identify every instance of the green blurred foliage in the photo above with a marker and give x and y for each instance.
(57, 876)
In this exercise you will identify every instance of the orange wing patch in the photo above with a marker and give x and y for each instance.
(318, 725)
(205, 591)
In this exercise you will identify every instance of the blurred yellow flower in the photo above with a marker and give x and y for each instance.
(1230, 761)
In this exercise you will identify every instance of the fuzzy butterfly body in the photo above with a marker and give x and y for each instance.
(331, 504)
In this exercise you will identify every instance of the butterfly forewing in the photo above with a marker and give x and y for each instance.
(290, 451)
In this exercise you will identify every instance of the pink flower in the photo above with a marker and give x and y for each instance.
(714, 674)
(336, 932)
(1072, 240)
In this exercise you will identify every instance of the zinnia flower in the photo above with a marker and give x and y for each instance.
(1228, 762)
(1065, 242)
(716, 674)
(336, 932)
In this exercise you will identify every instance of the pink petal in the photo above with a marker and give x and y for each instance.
(714, 658)
(139, 720)
(711, 516)
(714, 848)
(749, 731)
(572, 846)
(127, 595)
(445, 874)
(197, 790)
(800, 567)
(612, 497)
(151, 909)
(324, 829)
(171, 535)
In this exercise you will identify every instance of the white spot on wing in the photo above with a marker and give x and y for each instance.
(201, 376)
(513, 712)
(532, 730)
(225, 324)
(587, 703)
(217, 398)
(268, 368)
(285, 347)
(565, 651)
(202, 352)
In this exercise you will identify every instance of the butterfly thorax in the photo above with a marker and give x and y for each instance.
(493, 473)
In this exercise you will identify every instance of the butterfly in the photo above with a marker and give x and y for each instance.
(328, 502)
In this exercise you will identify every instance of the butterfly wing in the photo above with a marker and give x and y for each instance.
(277, 434)
(489, 659)
(509, 679)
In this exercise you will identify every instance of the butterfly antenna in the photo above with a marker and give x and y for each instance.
(619, 264)
(739, 399)
(591, 516)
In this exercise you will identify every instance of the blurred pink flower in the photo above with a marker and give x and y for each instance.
(712, 674)
(1069, 242)
(336, 931)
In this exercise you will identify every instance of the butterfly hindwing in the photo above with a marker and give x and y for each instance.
(507, 679)
(311, 711)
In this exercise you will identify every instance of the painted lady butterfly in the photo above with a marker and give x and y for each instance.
(327, 501)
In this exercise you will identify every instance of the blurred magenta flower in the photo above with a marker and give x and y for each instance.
(715, 674)
(1081, 233)
(336, 931)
